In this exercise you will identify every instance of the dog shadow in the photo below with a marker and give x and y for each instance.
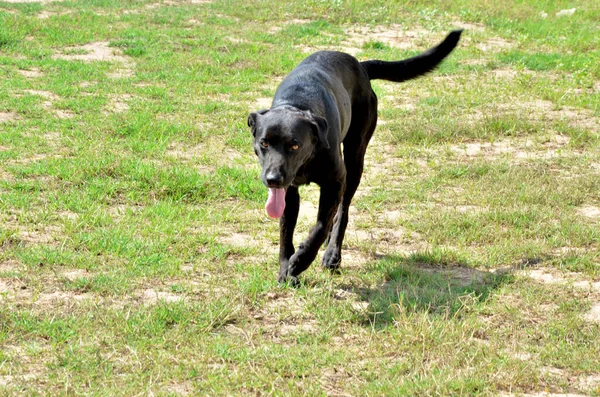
(425, 284)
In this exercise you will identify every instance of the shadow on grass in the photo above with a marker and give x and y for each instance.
(430, 283)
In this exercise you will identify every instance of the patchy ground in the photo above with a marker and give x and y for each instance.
(135, 255)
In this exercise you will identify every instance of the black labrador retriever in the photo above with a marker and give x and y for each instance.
(326, 101)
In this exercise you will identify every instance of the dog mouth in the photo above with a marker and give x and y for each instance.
(275, 204)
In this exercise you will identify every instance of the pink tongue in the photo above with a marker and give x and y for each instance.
(275, 203)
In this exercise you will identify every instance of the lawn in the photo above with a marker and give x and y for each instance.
(136, 257)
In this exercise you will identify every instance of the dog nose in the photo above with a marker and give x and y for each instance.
(274, 179)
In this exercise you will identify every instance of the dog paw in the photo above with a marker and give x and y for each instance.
(292, 281)
(332, 261)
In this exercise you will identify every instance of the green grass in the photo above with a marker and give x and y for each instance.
(135, 257)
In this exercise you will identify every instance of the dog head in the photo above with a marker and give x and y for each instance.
(284, 139)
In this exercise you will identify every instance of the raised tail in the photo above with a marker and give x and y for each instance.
(410, 68)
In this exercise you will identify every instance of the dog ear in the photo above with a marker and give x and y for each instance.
(252, 119)
(320, 125)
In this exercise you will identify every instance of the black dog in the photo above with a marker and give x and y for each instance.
(326, 101)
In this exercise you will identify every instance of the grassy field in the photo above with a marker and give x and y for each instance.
(136, 258)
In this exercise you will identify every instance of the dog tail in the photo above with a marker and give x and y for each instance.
(412, 67)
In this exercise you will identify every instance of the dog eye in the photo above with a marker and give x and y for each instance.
(295, 147)
(264, 144)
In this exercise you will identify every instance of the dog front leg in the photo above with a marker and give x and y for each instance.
(308, 249)
(287, 224)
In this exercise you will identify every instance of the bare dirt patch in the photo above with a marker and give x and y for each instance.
(519, 149)
(261, 103)
(553, 276)
(49, 14)
(283, 315)
(121, 73)
(70, 215)
(180, 389)
(295, 21)
(11, 265)
(46, 294)
(238, 240)
(205, 156)
(35, 158)
(543, 394)
(509, 74)
(593, 315)
(304, 327)
(6, 117)
(494, 44)
(57, 297)
(152, 297)
(8, 380)
(353, 298)
(45, 94)
(541, 110)
(463, 276)
(395, 36)
(353, 258)
(332, 381)
(30, 73)
(118, 211)
(384, 240)
(47, 235)
(469, 26)
(308, 212)
(32, 1)
(589, 211)
(118, 103)
(99, 52)
(591, 382)
(49, 102)
(192, 155)
(74, 274)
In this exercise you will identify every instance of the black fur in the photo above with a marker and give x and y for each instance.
(325, 101)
